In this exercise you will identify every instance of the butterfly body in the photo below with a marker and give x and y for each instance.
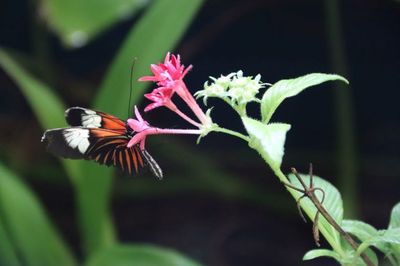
(99, 137)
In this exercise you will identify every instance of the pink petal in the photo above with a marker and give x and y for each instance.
(148, 78)
(167, 57)
(152, 106)
(136, 139)
(186, 71)
(137, 114)
(152, 96)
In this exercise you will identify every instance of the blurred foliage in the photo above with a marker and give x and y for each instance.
(157, 31)
(28, 237)
(78, 22)
(139, 255)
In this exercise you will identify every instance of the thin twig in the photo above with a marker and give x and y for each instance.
(309, 192)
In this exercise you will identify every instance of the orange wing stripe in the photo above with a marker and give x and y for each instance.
(135, 163)
(128, 161)
(112, 122)
(106, 157)
(104, 133)
(121, 161)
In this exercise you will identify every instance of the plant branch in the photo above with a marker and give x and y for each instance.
(310, 193)
(231, 132)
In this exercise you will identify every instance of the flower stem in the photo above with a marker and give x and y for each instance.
(231, 132)
(176, 131)
(187, 97)
(188, 119)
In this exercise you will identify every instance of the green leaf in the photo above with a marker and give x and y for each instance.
(8, 254)
(395, 217)
(385, 240)
(391, 236)
(139, 255)
(286, 88)
(35, 238)
(157, 32)
(93, 193)
(48, 108)
(315, 253)
(353, 259)
(92, 182)
(333, 202)
(361, 230)
(268, 140)
(159, 29)
(77, 22)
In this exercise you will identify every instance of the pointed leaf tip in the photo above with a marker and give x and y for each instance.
(286, 88)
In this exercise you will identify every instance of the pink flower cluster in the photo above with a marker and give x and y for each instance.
(169, 78)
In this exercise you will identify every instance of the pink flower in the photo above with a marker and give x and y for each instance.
(137, 125)
(160, 97)
(169, 77)
(142, 129)
(166, 73)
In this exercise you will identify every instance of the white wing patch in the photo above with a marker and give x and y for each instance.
(90, 119)
(77, 138)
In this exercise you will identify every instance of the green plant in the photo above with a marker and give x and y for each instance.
(149, 39)
(268, 140)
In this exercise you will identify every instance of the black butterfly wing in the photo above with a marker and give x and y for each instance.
(104, 146)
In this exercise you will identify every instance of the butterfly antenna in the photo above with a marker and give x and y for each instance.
(131, 85)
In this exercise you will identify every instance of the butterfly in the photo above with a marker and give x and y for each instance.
(100, 137)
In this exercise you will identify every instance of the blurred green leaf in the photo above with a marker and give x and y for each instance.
(316, 253)
(286, 88)
(93, 193)
(395, 217)
(91, 181)
(348, 258)
(77, 22)
(157, 32)
(268, 139)
(36, 240)
(8, 254)
(139, 255)
(333, 202)
(48, 108)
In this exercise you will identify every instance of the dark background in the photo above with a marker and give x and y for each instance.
(278, 39)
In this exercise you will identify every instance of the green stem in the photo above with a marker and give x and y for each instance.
(331, 240)
(346, 151)
(282, 177)
(231, 132)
